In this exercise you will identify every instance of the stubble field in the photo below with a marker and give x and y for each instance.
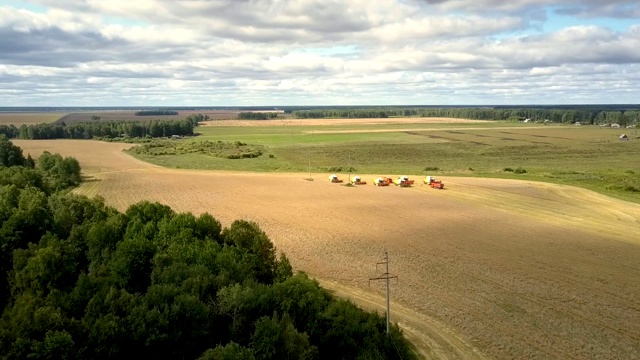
(20, 118)
(489, 268)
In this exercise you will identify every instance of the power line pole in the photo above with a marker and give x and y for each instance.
(349, 166)
(310, 178)
(386, 276)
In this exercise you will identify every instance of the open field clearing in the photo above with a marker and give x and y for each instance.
(488, 268)
(340, 122)
(20, 118)
(586, 156)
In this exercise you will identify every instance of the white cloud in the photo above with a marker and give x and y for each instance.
(311, 52)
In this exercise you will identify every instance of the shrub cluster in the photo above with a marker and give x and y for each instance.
(341, 169)
(518, 170)
(221, 149)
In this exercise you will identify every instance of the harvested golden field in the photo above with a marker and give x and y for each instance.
(20, 118)
(324, 122)
(487, 268)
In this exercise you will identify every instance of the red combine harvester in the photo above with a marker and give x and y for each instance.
(358, 181)
(431, 181)
(403, 181)
(386, 181)
(334, 178)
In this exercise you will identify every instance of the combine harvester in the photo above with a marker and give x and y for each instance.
(358, 181)
(431, 181)
(403, 181)
(386, 181)
(334, 178)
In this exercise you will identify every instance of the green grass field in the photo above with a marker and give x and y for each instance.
(586, 156)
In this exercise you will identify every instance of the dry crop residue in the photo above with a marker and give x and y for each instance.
(487, 268)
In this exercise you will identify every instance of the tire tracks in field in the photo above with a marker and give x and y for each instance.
(535, 206)
(566, 313)
(431, 339)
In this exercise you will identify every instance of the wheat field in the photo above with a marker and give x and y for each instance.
(487, 268)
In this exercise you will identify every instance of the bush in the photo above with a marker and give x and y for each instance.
(220, 149)
(623, 187)
(519, 170)
(630, 172)
(271, 156)
(470, 168)
(431, 168)
(341, 169)
(507, 169)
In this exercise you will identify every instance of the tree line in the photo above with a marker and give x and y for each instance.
(257, 115)
(50, 173)
(585, 116)
(155, 112)
(79, 279)
(101, 129)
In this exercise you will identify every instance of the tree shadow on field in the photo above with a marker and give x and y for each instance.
(88, 178)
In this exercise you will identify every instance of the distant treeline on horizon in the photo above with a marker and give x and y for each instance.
(292, 108)
(585, 116)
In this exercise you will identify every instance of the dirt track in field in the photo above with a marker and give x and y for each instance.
(487, 268)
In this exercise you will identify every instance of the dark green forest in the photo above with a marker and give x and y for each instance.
(155, 112)
(257, 115)
(583, 115)
(102, 129)
(81, 280)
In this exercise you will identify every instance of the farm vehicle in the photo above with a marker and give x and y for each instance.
(432, 182)
(404, 181)
(386, 181)
(334, 178)
(358, 181)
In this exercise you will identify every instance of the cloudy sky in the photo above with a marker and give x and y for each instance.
(318, 52)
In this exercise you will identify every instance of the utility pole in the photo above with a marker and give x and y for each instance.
(349, 166)
(310, 178)
(386, 276)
